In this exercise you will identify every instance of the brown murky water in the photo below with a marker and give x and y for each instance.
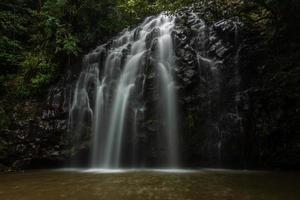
(150, 185)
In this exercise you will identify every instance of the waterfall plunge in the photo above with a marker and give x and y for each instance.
(109, 92)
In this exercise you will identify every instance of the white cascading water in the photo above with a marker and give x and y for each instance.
(105, 90)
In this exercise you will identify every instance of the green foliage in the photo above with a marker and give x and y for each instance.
(11, 30)
(4, 120)
(136, 10)
(66, 43)
(37, 72)
(38, 39)
(9, 54)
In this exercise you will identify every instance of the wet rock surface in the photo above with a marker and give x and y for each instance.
(218, 123)
(208, 76)
(208, 83)
(40, 138)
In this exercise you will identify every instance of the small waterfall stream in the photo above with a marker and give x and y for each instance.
(110, 92)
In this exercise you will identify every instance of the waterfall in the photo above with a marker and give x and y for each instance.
(109, 97)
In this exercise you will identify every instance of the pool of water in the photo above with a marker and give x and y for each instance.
(150, 184)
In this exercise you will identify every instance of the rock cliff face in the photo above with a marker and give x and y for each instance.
(217, 126)
(207, 82)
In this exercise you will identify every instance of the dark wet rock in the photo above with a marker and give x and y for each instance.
(190, 73)
(205, 57)
(21, 164)
(94, 57)
(3, 168)
(212, 99)
(151, 36)
(136, 33)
